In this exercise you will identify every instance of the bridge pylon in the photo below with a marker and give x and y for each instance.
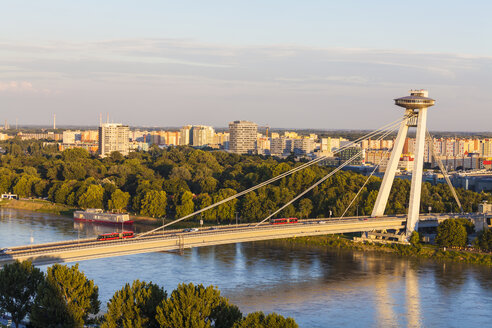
(416, 106)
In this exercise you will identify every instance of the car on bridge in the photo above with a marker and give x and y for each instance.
(5, 250)
(190, 230)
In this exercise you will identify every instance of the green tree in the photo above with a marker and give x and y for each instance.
(64, 299)
(153, 203)
(119, 200)
(451, 233)
(75, 155)
(19, 282)
(415, 238)
(23, 186)
(184, 204)
(251, 207)
(272, 320)
(92, 197)
(6, 178)
(73, 171)
(468, 224)
(116, 156)
(227, 210)
(40, 187)
(202, 201)
(63, 191)
(134, 306)
(197, 307)
(207, 184)
(484, 240)
(305, 208)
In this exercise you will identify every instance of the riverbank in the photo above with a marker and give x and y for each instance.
(419, 251)
(38, 205)
(44, 206)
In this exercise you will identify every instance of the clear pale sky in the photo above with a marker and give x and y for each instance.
(292, 64)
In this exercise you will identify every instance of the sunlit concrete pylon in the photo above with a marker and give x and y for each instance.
(415, 116)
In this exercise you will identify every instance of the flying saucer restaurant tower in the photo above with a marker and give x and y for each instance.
(415, 116)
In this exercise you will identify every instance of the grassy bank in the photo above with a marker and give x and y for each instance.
(420, 251)
(38, 205)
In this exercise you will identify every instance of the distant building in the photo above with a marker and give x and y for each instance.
(170, 138)
(9, 196)
(278, 146)
(4, 136)
(242, 137)
(89, 136)
(114, 137)
(91, 147)
(221, 139)
(184, 133)
(70, 137)
(303, 146)
(202, 135)
(40, 136)
(262, 145)
(356, 154)
(196, 135)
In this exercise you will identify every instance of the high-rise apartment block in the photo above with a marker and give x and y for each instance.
(242, 137)
(202, 135)
(114, 137)
(185, 135)
(196, 135)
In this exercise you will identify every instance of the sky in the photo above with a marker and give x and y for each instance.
(285, 64)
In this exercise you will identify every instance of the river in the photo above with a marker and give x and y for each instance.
(317, 287)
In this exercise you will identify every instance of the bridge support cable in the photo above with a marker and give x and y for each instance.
(319, 182)
(365, 183)
(278, 177)
(443, 170)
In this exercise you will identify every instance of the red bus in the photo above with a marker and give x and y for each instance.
(116, 235)
(284, 221)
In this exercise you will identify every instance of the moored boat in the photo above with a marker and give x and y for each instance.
(99, 216)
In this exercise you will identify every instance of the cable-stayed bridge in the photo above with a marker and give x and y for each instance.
(165, 240)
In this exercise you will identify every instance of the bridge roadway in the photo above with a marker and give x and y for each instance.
(91, 248)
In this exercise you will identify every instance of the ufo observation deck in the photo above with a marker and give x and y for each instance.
(416, 100)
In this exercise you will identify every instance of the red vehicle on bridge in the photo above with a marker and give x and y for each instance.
(116, 235)
(284, 221)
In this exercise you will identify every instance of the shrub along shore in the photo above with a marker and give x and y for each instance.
(417, 251)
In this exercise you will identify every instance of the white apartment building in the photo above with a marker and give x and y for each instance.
(114, 137)
(242, 137)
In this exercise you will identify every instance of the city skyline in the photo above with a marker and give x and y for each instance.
(278, 64)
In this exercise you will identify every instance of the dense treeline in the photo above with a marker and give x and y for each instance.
(65, 297)
(176, 181)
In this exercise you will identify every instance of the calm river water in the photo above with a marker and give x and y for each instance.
(318, 288)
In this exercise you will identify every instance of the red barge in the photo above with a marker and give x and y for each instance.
(97, 215)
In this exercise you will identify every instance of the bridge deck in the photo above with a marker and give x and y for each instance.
(85, 249)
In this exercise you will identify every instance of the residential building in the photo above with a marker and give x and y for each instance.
(242, 137)
(113, 137)
(303, 146)
(263, 145)
(89, 136)
(201, 135)
(184, 133)
(70, 137)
